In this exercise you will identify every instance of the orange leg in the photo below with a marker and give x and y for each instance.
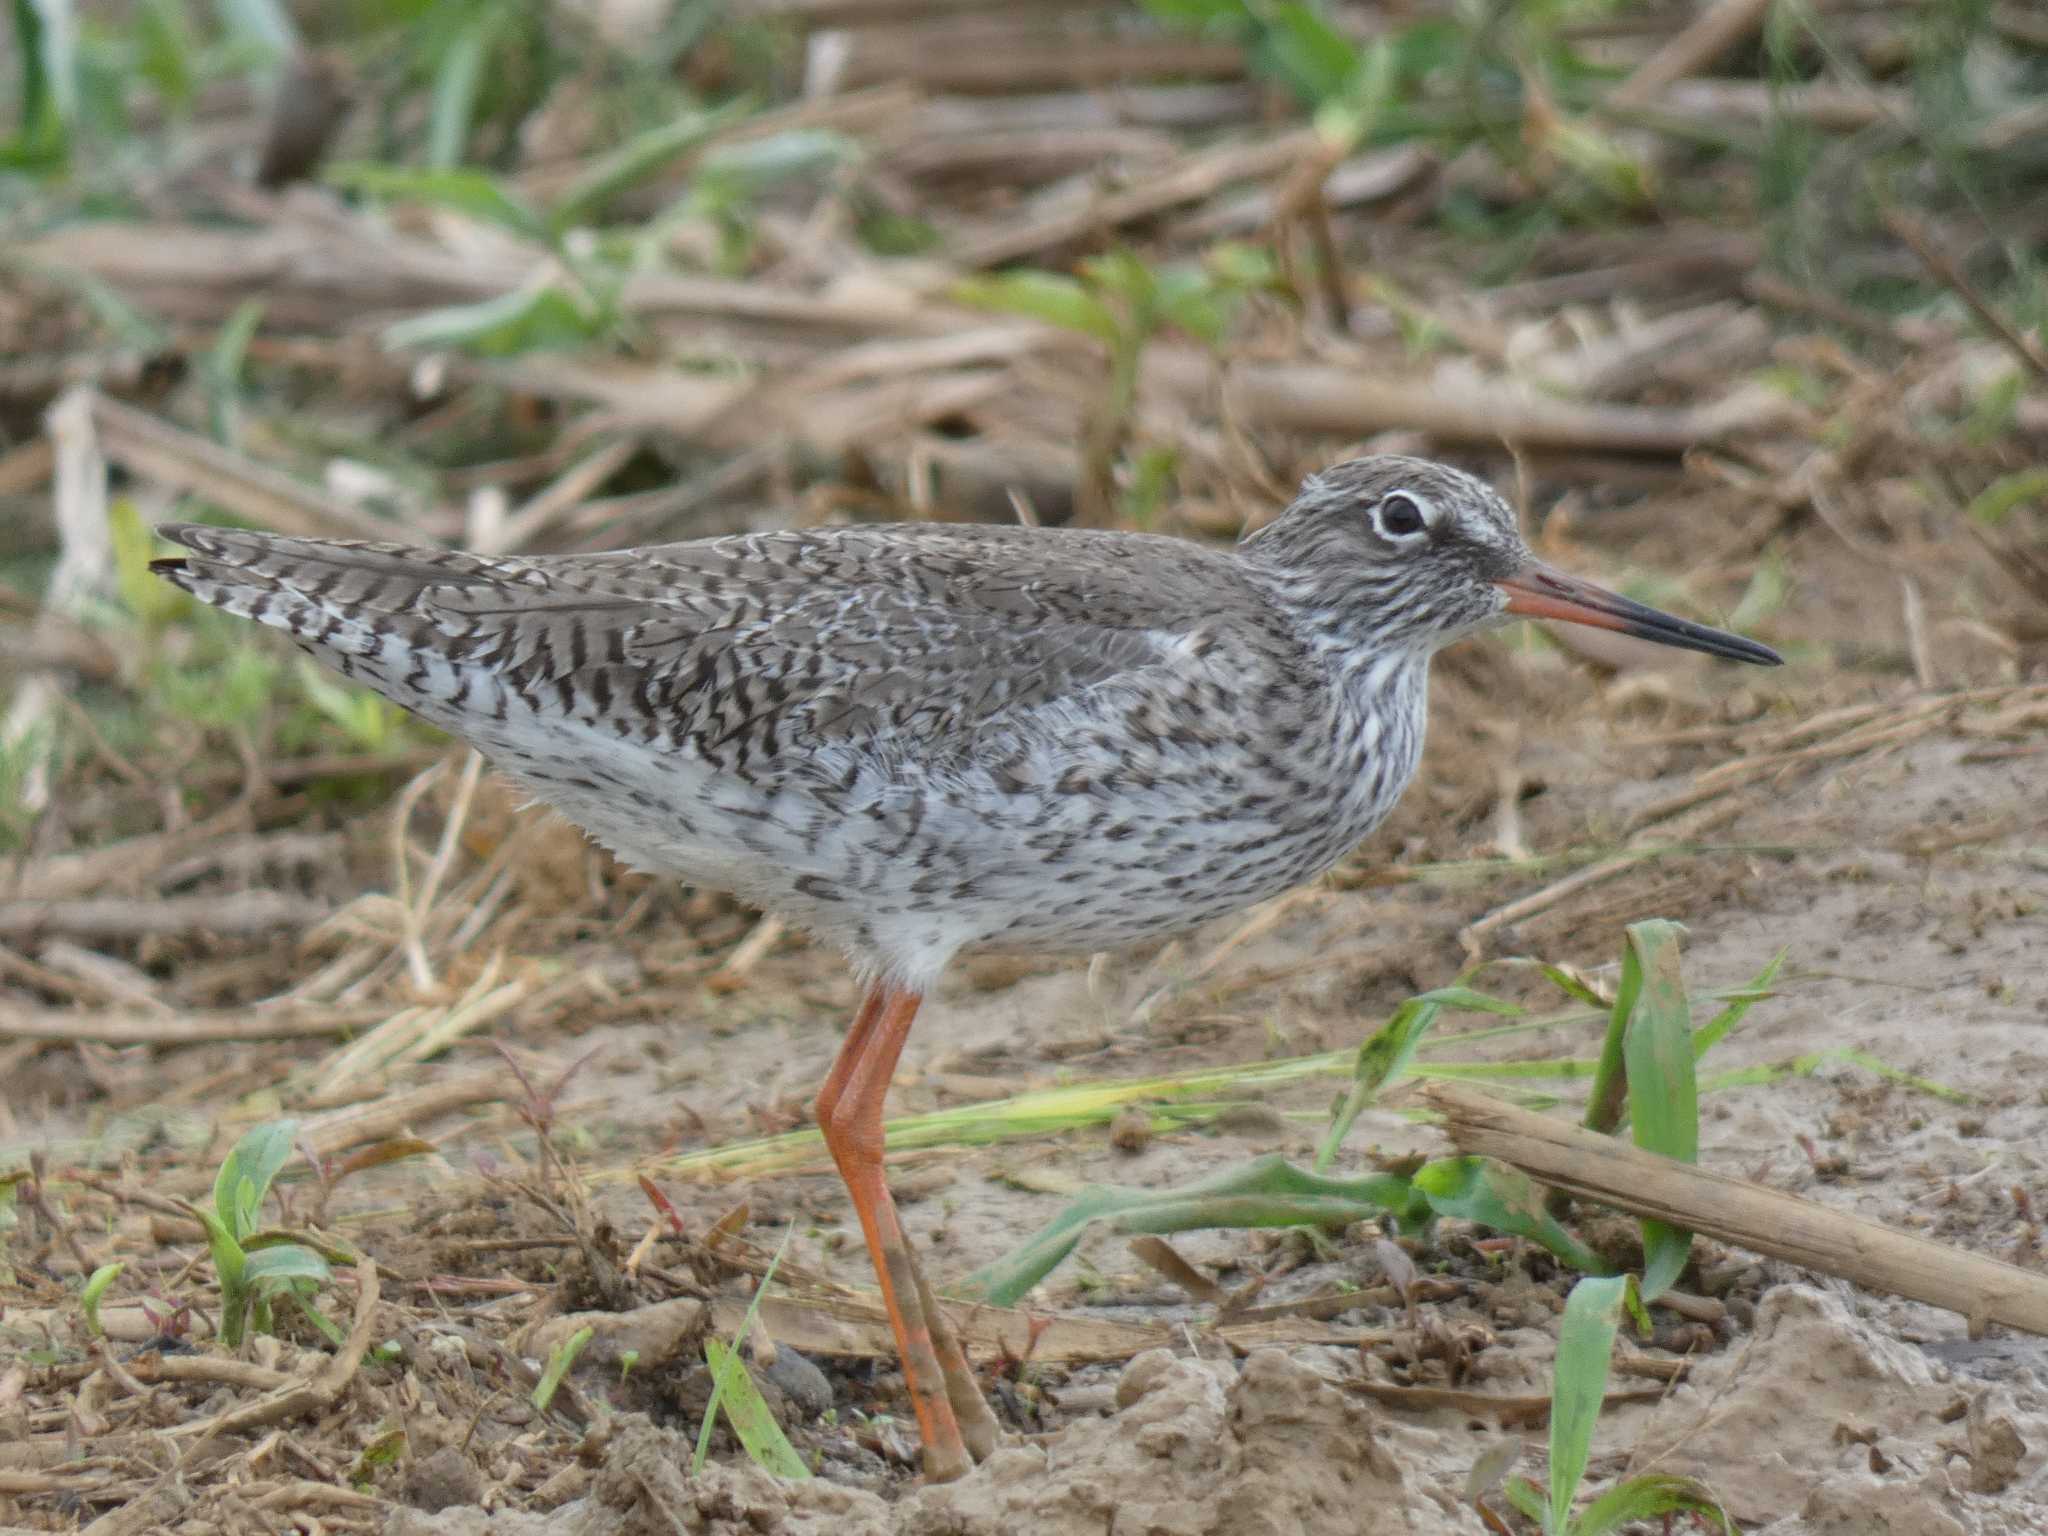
(849, 1112)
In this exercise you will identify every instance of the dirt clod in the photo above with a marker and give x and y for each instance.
(1199, 1449)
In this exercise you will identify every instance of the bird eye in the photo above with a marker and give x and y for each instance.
(1400, 516)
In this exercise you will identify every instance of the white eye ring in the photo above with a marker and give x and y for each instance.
(1400, 516)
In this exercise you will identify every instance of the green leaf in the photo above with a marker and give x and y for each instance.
(474, 193)
(456, 84)
(1585, 1345)
(531, 320)
(1046, 296)
(167, 50)
(1992, 416)
(737, 172)
(45, 38)
(1996, 502)
(1478, 1189)
(134, 546)
(271, 1267)
(1646, 1498)
(1310, 54)
(1663, 1093)
(1266, 1192)
(721, 1372)
(328, 1328)
(1348, 119)
(1572, 987)
(226, 1253)
(1222, 18)
(245, 1177)
(750, 1417)
(1190, 298)
(558, 1365)
(1387, 1053)
(1526, 1497)
(636, 160)
(1739, 1002)
(95, 1288)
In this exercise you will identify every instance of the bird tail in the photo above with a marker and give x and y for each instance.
(335, 594)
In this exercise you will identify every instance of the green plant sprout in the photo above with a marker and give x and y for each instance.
(734, 1390)
(1585, 1348)
(1272, 1192)
(558, 1365)
(256, 1267)
(95, 1289)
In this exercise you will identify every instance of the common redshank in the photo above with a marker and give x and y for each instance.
(918, 739)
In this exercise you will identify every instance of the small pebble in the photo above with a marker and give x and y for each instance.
(1131, 1130)
(808, 1389)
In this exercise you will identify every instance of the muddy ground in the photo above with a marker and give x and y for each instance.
(1890, 837)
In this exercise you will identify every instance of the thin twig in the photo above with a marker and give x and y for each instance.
(1943, 266)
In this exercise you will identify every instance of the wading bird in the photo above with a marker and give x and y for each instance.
(918, 739)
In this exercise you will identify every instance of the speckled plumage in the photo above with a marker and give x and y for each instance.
(921, 738)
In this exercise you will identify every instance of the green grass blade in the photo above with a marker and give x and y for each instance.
(1387, 1052)
(1049, 296)
(558, 1365)
(1526, 1497)
(456, 87)
(636, 160)
(723, 1371)
(1714, 1031)
(1663, 1094)
(1610, 1077)
(1266, 1192)
(525, 320)
(95, 1288)
(1494, 1195)
(1812, 1061)
(1585, 1346)
(473, 193)
(1646, 1498)
(750, 1417)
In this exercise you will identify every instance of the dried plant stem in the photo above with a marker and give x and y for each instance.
(1767, 1221)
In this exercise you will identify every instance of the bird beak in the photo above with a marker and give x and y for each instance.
(1538, 592)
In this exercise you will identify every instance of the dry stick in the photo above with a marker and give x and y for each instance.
(1315, 398)
(1767, 288)
(1525, 907)
(196, 1028)
(117, 917)
(1004, 59)
(1368, 178)
(1710, 34)
(85, 569)
(156, 450)
(1943, 266)
(1765, 1221)
(559, 498)
(1198, 176)
(344, 1128)
(1840, 108)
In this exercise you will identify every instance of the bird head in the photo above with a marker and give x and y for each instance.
(1415, 554)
